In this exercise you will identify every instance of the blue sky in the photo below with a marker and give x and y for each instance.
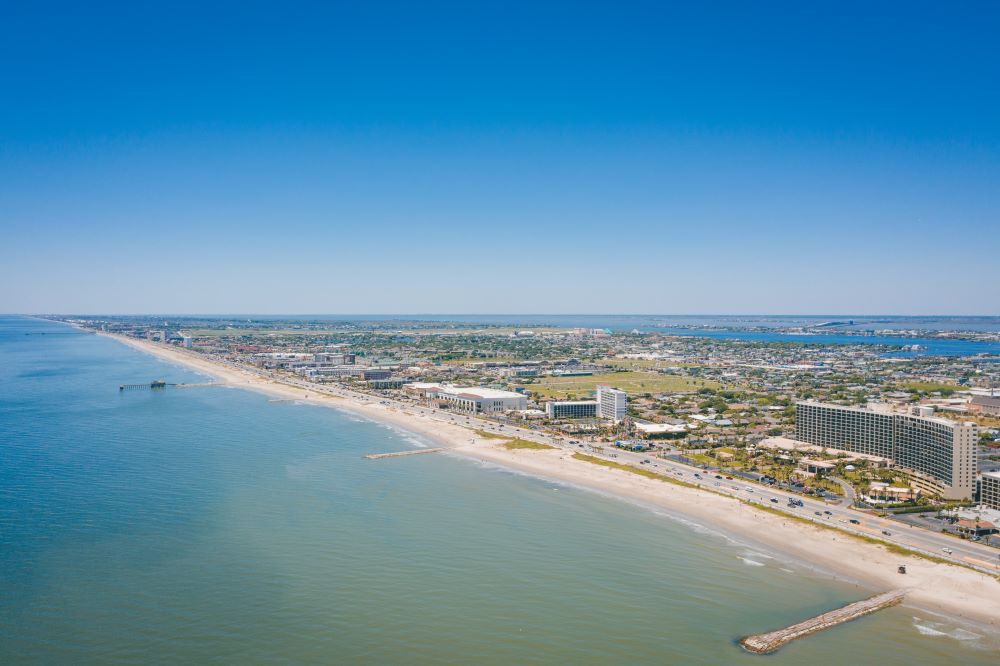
(500, 157)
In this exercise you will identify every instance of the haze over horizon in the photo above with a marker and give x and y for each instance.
(545, 158)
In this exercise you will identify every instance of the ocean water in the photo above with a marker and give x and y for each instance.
(209, 525)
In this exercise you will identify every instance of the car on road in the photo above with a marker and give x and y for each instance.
(886, 532)
(818, 513)
(947, 551)
(774, 499)
(748, 489)
(855, 521)
(829, 513)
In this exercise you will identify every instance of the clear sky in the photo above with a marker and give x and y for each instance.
(471, 157)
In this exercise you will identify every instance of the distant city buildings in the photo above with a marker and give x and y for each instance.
(940, 453)
(612, 404)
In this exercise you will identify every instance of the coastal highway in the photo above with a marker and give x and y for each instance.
(936, 544)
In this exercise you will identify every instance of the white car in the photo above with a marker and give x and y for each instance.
(947, 551)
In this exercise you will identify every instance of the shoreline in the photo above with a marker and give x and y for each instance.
(944, 589)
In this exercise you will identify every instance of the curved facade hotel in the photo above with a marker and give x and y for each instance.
(940, 453)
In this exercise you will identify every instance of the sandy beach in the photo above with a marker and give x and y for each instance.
(942, 588)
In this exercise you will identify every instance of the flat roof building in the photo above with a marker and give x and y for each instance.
(579, 409)
(940, 453)
(983, 404)
(481, 400)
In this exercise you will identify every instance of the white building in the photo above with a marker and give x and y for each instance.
(332, 372)
(571, 409)
(653, 429)
(482, 400)
(612, 404)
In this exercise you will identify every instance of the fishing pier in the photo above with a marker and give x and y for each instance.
(159, 384)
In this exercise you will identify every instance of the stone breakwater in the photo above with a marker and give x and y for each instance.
(771, 641)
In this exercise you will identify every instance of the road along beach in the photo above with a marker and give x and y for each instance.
(932, 585)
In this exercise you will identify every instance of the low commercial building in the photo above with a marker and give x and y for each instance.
(659, 429)
(818, 468)
(579, 409)
(334, 372)
(985, 405)
(388, 383)
(880, 492)
(423, 389)
(481, 400)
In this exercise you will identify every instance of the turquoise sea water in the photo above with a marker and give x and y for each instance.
(209, 525)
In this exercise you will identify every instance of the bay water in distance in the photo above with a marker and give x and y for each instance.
(209, 525)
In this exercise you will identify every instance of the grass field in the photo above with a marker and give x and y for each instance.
(631, 382)
(930, 387)
(525, 444)
(254, 332)
(643, 363)
(490, 435)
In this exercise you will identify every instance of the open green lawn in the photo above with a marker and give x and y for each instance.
(519, 443)
(930, 387)
(490, 435)
(254, 332)
(630, 382)
(643, 363)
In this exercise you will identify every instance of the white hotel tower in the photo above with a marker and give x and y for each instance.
(612, 404)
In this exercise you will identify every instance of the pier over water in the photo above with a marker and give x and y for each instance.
(160, 384)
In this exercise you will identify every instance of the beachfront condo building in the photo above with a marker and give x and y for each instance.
(940, 454)
(989, 490)
(612, 404)
(576, 409)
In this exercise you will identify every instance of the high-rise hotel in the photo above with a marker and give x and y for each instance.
(612, 404)
(940, 454)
